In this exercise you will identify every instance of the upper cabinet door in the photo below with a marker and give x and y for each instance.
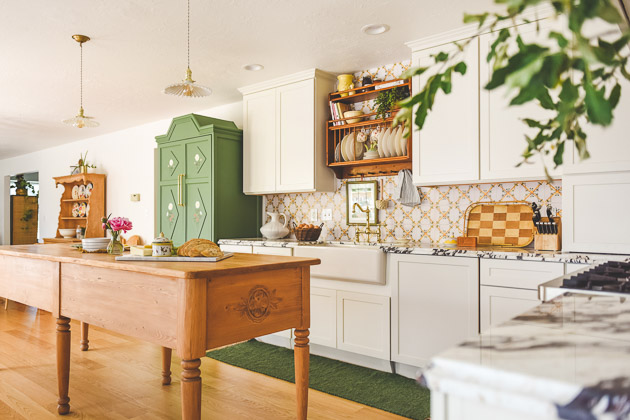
(198, 158)
(172, 162)
(609, 147)
(295, 148)
(259, 142)
(446, 151)
(502, 128)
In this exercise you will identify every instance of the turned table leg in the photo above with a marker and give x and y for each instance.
(301, 354)
(166, 365)
(63, 364)
(191, 389)
(6, 304)
(85, 327)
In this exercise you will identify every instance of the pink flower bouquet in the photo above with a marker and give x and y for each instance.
(117, 224)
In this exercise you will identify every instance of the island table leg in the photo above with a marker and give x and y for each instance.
(191, 389)
(63, 364)
(85, 343)
(301, 354)
(166, 365)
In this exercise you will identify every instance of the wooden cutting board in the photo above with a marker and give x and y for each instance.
(500, 223)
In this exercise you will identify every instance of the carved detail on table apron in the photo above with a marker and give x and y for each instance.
(257, 305)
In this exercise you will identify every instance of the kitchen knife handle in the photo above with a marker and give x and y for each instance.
(180, 190)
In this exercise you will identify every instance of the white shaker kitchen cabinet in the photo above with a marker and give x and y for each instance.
(323, 317)
(363, 324)
(446, 151)
(609, 147)
(595, 212)
(509, 288)
(284, 122)
(270, 250)
(502, 130)
(243, 249)
(259, 142)
(435, 305)
(500, 304)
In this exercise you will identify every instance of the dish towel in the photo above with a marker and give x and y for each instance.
(407, 193)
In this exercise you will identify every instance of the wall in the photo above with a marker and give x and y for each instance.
(439, 216)
(126, 156)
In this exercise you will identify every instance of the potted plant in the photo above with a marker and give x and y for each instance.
(388, 100)
(22, 186)
(82, 165)
(371, 150)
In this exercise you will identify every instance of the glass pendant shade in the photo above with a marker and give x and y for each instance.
(188, 88)
(81, 121)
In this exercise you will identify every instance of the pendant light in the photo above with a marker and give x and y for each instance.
(187, 87)
(81, 120)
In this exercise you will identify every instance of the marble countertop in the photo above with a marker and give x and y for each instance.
(567, 357)
(525, 254)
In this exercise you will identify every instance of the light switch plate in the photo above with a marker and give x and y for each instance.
(326, 214)
(135, 197)
(313, 215)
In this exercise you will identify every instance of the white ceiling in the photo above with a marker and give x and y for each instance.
(139, 46)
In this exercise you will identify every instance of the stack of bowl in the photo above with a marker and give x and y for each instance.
(95, 244)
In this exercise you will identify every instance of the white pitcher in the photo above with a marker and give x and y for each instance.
(274, 229)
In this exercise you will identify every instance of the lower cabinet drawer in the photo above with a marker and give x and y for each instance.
(518, 274)
(268, 250)
(363, 324)
(500, 304)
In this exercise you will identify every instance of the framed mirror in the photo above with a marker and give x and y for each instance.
(364, 194)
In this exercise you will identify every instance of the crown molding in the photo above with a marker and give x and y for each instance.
(285, 80)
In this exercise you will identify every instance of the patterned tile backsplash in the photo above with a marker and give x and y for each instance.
(438, 217)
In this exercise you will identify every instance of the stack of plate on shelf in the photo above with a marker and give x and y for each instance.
(391, 142)
(94, 244)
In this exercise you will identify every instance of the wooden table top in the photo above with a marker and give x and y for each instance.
(238, 264)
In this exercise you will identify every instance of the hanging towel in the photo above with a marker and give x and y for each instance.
(407, 193)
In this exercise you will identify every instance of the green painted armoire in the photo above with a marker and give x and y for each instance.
(200, 182)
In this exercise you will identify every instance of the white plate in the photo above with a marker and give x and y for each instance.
(88, 189)
(343, 148)
(385, 140)
(403, 144)
(379, 137)
(350, 149)
(399, 151)
(75, 192)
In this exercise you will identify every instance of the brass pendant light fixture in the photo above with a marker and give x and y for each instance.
(187, 87)
(80, 120)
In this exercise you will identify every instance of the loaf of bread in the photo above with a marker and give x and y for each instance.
(199, 248)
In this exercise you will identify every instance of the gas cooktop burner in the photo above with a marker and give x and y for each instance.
(612, 276)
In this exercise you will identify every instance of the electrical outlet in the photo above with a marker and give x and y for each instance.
(313, 215)
(135, 197)
(326, 214)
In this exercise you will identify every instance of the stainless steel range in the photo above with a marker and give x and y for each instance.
(609, 278)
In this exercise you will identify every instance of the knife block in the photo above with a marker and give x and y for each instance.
(549, 241)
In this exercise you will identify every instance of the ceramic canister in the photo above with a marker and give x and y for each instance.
(162, 246)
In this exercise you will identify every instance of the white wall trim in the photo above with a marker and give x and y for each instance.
(285, 80)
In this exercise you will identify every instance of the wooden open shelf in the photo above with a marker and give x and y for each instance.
(335, 134)
(92, 222)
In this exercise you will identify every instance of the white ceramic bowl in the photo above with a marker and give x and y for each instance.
(68, 233)
(349, 114)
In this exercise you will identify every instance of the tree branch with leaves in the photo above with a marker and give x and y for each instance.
(573, 76)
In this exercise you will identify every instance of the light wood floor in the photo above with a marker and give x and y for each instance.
(119, 378)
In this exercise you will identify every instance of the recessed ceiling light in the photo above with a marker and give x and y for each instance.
(253, 67)
(375, 29)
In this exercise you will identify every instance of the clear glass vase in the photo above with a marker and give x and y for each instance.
(115, 247)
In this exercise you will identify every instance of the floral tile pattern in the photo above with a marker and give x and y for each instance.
(438, 217)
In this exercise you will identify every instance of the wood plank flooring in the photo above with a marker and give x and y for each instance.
(120, 378)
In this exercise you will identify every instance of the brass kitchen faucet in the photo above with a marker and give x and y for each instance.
(368, 230)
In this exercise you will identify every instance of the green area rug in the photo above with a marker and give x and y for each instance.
(386, 391)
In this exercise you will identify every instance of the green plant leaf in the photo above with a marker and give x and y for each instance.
(440, 57)
(480, 18)
(504, 34)
(557, 157)
(598, 109)
(460, 68)
(608, 12)
(414, 71)
(560, 39)
(615, 94)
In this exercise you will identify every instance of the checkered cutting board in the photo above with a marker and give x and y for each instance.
(506, 224)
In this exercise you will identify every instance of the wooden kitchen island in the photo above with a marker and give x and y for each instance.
(187, 306)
